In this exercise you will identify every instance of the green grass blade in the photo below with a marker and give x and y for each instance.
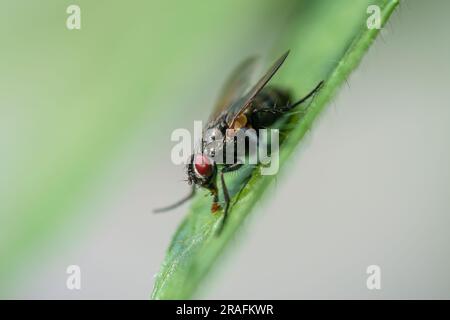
(328, 40)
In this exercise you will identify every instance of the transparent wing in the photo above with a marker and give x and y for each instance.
(241, 105)
(235, 87)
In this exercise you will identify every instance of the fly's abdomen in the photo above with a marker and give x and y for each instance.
(267, 107)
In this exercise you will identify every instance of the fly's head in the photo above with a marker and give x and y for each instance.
(201, 170)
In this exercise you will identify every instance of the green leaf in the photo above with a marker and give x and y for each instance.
(327, 41)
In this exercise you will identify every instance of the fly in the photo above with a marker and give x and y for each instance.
(258, 108)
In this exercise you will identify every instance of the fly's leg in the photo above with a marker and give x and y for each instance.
(226, 195)
(176, 204)
(309, 95)
(281, 110)
(215, 205)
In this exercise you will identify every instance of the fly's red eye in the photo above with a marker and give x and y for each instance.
(203, 165)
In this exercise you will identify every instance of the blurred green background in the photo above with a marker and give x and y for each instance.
(85, 123)
(72, 100)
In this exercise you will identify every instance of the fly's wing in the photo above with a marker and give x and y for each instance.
(240, 106)
(235, 87)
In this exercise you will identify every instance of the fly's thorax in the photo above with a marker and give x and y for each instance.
(213, 140)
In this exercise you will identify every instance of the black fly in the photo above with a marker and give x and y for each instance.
(258, 108)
